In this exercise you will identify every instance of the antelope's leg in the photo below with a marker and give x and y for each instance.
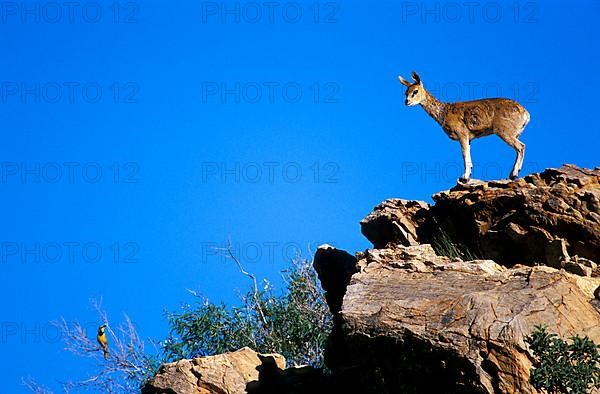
(521, 153)
(465, 147)
(519, 147)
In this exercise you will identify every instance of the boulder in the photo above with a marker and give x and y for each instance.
(397, 221)
(227, 373)
(335, 268)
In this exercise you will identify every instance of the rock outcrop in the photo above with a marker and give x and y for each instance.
(241, 372)
(413, 321)
(551, 218)
(335, 273)
(228, 373)
(396, 221)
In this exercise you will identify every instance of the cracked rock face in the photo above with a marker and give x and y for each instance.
(227, 373)
(551, 218)
(543, 218)
(396, 221)
(431, 323)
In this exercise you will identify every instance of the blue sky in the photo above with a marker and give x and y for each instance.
(138, 137)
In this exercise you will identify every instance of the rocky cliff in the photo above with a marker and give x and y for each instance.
(442, 302)
(522, 253)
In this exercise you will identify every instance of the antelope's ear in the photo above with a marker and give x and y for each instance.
(403, 81)
(416, 77)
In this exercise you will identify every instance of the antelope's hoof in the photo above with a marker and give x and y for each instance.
(462, 179)
(512, 177)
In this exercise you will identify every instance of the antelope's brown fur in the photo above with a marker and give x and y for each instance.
(467, 120)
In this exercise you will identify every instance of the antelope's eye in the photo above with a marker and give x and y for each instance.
(415, 92)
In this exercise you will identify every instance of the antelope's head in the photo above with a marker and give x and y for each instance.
(415, 92)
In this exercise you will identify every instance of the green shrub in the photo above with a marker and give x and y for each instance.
(295, 323)
(561, 367)
(445, 244)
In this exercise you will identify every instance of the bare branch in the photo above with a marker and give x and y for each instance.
(34, 386)
(229, 252)
(127, 364)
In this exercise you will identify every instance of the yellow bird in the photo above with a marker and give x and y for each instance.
(103, 340)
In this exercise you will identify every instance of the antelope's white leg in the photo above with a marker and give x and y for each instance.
(522, 153)
(466, 152)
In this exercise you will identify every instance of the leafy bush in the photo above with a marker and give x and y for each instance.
(562, 367)
(295, 323)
